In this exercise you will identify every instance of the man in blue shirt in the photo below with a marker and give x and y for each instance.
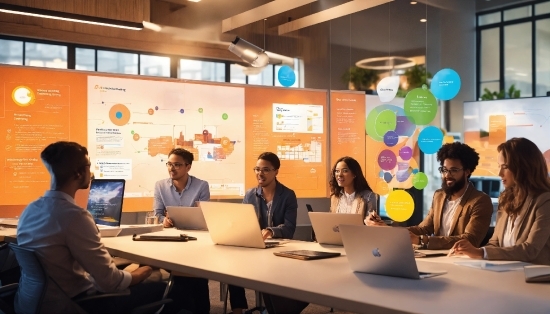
(182, 189)
(276, 207)
(67, 243)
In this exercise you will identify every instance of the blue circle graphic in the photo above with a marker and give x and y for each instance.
(445, 84)
(118, 115)
(391, 138)
(430, 140)
(286, 76)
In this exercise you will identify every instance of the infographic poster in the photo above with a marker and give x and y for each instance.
(37, 107)
(487, 124)
(291, 124)
(133, 124)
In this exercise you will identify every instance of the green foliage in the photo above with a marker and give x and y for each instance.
(361, 78)
(483, 133)
(511, 93)
(416, 77)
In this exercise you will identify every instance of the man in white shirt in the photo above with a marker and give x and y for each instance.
(68, 245)
(459, 210)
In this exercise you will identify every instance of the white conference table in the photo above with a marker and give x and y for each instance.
(330, 282)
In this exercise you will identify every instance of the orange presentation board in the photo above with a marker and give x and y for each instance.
(130, 123)
(293, 126)
(347, 124)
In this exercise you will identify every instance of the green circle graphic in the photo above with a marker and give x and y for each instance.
(420, 106)
(225, 116)
(420, 180)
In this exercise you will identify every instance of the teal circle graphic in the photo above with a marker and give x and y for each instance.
(118, 114)
(430, 140)
(445, 84)
(286, 76)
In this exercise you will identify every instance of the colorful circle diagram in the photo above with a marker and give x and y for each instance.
(420, 106)
(430, 140)
(387, 159)
(445, 84)
(286, 76)
(399, 205)
(119, 114)
(385, 118)
(23, 96)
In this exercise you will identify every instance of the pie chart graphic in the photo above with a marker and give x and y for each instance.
(119, 114)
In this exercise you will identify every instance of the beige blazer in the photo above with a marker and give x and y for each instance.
(362, 203)
(532, 233)
(471, 220)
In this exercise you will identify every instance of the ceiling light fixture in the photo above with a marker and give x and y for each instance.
(414, 2)
(390, 63)
(250, 53)
(195, 0)
(70, 17)
(423, 20)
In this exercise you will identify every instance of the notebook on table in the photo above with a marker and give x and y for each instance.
(234, 224)
(381, 251)
(326, 225)
(187, 218)
(105, 204)
(307, 254)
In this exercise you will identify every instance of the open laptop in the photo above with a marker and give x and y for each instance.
(187, 218)
(234, 224)
(105, 204)
(381, 251)
(325, 225)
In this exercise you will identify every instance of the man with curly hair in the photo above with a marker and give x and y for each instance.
(459, 210)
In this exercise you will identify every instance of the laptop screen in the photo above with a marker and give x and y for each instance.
(105, 201)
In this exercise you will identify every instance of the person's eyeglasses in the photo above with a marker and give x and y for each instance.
(176, 165)
(263, 170)
(452, 171)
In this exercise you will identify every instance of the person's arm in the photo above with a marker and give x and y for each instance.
(286, 229)
(537, 239)
(204, 194)
(476, 229)
(158, 203)
(82, 239)
(427, 225)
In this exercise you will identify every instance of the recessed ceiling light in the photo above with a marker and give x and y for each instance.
(414, 2)
(194, 0)
(423, 20)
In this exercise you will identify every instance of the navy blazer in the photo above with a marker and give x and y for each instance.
(283, 210)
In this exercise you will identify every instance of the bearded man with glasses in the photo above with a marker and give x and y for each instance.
(459, 211)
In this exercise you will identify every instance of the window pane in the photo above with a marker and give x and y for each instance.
(277, 67)
(202, 70)
(542, 8)
(11, 52)
(543, 57)
(488, 18)
(517, 58)
(117, 62)
(490, 55)
(45, 55)
(85, 59)
(265, 77)
(154, 65)
(518, 13)
(237, 74)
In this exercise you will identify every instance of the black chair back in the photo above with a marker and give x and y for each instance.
(33, 282)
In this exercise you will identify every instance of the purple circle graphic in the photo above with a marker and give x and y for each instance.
(405, 153)
(391, 138)
(387, 159)
(156, 107)
(387, 177)
(402, 175)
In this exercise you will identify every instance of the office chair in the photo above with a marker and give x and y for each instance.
(34, 282)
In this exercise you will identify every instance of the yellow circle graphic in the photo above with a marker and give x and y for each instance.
(399, 205)
(119, 114)
(23, 96)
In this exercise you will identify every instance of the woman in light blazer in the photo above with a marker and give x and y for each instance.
(350, 192)
(522, 232)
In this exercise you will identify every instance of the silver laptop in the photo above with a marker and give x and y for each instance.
(187, 218)
(325, 225)
(381, 251)
(234, 224)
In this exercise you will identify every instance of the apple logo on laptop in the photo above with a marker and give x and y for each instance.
(336, 229)
(376, 253)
